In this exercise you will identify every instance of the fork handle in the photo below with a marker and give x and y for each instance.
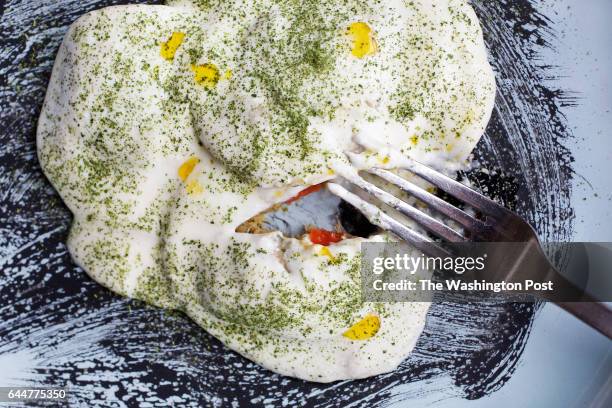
(585, 307)
(595, 314)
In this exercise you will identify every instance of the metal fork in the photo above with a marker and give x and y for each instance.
(497, 224)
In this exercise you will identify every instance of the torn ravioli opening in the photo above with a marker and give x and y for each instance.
(319, 209)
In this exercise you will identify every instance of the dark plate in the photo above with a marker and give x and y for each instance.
(59, 328)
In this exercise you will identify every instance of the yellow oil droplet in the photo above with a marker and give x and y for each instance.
(385, 160)
(330, 172)
(326, 252)
(364, 43)
(414, 140)
(206, 74)
(449, 147)
(363, 329)
(194, 188)
(228, 74)
(168, 48)
(187, 167)
(278, 193)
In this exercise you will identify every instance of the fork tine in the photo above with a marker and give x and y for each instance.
(456, 189)
(420, 217)
(431, 200)
(377, 217)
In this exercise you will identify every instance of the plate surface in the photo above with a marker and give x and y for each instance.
(59, 328)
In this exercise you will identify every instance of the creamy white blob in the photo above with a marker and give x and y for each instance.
(166, 127)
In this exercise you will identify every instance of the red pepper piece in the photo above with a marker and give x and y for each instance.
(324, 237)
(305, 192)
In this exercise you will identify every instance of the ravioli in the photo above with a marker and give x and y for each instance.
(164, 128)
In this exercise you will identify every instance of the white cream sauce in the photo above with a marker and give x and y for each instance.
(160, 155)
